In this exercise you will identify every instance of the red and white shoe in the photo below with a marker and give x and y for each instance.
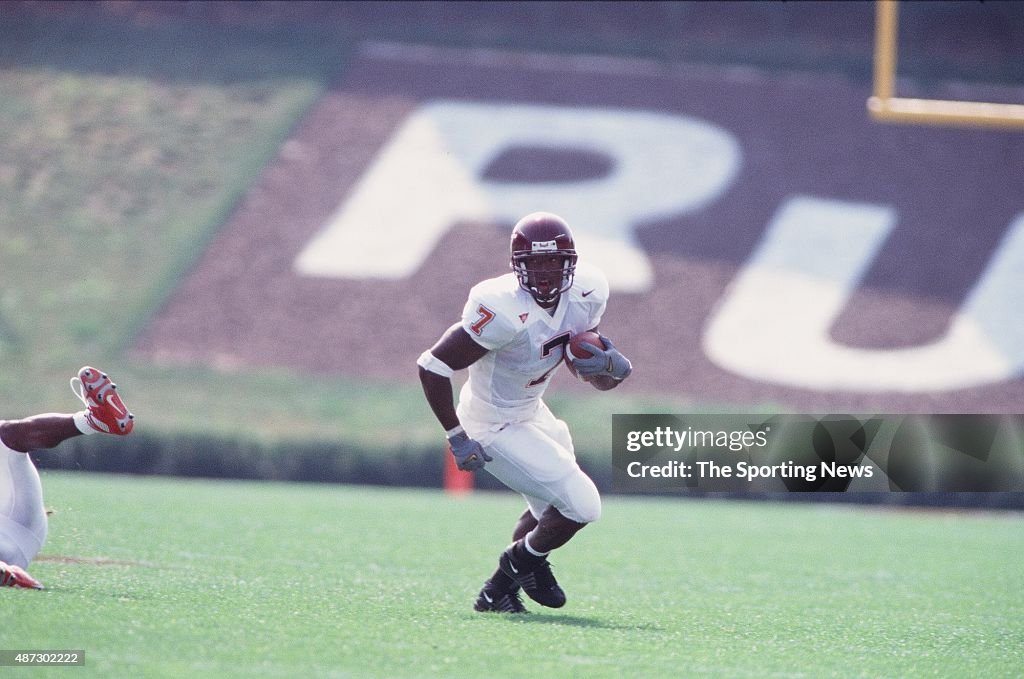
(15, 576)
(105, 411)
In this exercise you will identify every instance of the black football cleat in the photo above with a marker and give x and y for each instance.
(537, 580)
(493, 600)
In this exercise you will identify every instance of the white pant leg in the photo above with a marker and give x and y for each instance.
(535, 457)
(23, 523)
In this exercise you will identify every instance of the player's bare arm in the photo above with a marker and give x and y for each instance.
(456, 350)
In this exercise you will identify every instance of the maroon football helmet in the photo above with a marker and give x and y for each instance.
(543, 256)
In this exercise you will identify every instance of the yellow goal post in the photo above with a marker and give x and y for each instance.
(885, 106)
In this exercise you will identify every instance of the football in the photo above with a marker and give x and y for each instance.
(574, 350)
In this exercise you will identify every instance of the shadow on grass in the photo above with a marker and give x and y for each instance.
(574, 621)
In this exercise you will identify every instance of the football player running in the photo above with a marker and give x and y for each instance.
(512, 339)
(23, 523)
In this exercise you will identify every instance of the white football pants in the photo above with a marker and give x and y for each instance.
(535, 457)
(22, 515)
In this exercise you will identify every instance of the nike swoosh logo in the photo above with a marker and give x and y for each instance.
(118, 408)
(104, 396)
(584, 294)
(514, 569)
(489, 599)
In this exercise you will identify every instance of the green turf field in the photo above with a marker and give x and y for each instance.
(163, 577)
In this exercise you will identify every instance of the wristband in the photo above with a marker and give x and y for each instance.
(454, 431)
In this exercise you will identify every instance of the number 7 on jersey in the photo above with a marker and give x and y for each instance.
(486, 316)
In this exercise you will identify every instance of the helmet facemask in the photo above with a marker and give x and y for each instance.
(545, 275)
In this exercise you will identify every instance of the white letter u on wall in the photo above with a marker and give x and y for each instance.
(773, 322)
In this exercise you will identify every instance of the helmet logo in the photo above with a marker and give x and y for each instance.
(543, 246)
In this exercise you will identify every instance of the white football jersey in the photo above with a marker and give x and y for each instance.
(526, 343)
